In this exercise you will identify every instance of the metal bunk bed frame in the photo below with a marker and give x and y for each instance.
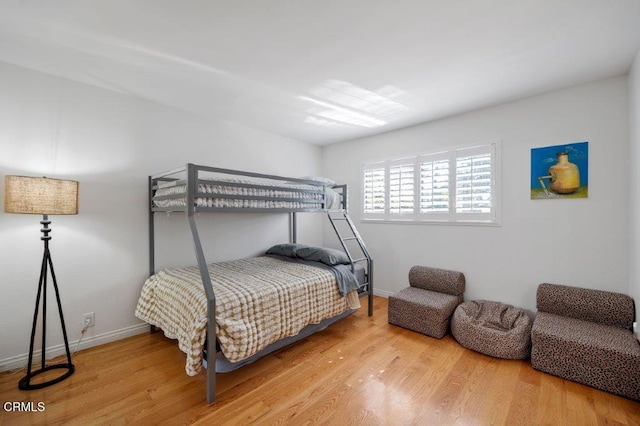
(192, 180)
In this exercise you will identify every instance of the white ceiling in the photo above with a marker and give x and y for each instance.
(324, 71)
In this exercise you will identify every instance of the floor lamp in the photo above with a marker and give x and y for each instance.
(39, 195)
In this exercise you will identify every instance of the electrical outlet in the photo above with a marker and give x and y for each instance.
(91, 317)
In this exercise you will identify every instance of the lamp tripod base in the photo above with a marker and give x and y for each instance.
(47, 265)
(25, 382)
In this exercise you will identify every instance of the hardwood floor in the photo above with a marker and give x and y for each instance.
(358, 371)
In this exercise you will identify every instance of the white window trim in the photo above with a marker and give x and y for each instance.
(438, 218)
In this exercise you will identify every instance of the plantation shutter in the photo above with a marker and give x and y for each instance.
(434, 186)
(474, 176)
(401, 187)
(456, 185)
(374, 190)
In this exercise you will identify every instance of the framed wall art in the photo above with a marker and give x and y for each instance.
(560, 171)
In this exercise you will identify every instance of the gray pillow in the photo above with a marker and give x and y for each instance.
(288, 250)
(325, 255)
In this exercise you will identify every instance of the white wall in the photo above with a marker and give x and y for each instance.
(110, 143)
(582, 242)
(634, 193)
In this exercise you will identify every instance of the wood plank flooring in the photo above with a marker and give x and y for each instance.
(359, 371)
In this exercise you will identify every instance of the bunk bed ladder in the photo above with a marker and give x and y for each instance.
(351, 234)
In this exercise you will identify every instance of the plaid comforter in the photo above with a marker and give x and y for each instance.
(258, 300)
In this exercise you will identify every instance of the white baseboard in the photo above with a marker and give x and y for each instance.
(382, 293)
(20, 361)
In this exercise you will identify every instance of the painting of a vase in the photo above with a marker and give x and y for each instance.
(560, 171)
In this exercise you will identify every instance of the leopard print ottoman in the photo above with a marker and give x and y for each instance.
(492, 328)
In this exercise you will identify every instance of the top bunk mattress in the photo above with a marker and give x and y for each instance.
(248, 193)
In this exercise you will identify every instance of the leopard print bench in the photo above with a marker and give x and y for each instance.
(586, 336)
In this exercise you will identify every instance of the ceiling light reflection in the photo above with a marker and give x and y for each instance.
(342, 114)
(318, 121)
(345, 104)
(352, 96)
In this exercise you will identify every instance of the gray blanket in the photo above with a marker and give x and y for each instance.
(345, 279)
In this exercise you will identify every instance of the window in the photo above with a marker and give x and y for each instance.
(454, 186)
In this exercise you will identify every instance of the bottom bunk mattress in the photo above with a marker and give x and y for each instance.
(259, 300)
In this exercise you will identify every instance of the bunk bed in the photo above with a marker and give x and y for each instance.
(338, 278)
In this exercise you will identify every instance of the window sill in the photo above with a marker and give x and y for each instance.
(430, 222)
